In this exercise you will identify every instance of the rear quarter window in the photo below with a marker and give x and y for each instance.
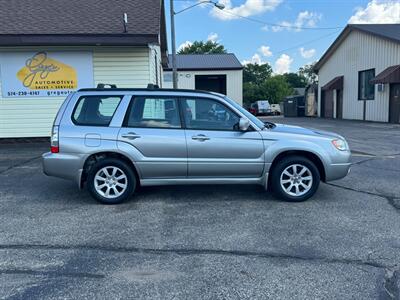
(95, 110)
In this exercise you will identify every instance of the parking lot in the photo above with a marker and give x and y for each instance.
(205, 242)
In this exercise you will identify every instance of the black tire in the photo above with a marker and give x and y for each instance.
(111, 162)
(279, 168)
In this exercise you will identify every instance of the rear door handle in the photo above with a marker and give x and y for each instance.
(131, 136)
(200, 137)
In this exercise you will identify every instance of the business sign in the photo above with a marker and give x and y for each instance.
(45, 74)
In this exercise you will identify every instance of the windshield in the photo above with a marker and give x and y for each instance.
(252, 118)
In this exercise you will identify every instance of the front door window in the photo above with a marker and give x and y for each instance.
(207, 114)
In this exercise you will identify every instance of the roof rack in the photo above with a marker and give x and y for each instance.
(150, 87)
(103, 85)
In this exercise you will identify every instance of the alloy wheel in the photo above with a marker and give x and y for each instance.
(110, 182)
(296, 180)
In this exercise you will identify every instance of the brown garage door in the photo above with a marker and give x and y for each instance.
(327, 103)
(394, 103)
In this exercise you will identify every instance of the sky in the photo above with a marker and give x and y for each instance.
(287, 34)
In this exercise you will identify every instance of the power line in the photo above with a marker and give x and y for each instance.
(274, 24)
(306, 43)
(294, 27)
(279, 25)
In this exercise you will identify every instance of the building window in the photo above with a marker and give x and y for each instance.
(167, 76)
(366, 90)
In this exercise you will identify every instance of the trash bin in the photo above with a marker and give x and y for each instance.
(294, 106)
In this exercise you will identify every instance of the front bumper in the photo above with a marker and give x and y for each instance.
(64, 166)
(337, 171)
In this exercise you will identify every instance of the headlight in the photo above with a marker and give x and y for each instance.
(340, 144)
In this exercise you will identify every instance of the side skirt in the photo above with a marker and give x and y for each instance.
(188, 181)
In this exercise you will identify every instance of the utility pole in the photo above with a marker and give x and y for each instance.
(174, 70)
(173, 13)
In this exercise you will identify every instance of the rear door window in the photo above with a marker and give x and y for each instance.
(95, 110)
(153, 112)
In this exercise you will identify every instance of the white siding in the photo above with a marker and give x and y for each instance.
(123, 67)
(155, 74)
(32, 117)
(358, 52)
(234, 82)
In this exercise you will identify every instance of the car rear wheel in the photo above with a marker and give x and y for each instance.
(295, 178)
(111, 181)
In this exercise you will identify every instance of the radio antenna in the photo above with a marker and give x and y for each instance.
(125, 22)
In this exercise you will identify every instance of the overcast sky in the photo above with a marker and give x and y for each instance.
(285, 33)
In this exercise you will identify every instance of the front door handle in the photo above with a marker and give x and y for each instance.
(200, 137)
(131, 136)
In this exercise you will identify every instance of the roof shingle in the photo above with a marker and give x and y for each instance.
(48, 17)
(193, 62)
(389, 31)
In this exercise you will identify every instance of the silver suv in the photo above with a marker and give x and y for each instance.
(112, 140)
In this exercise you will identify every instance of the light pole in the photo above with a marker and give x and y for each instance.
(173, 13)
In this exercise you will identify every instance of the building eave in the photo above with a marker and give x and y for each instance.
(342, 36)
(203, 69)
(346, 31)
(13, 40)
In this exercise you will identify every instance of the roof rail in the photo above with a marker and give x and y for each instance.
(145, 90)
(103, 85)
(152, 86)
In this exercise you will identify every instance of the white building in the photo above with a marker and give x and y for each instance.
(54, 49)
(221, 73)
(359, 75)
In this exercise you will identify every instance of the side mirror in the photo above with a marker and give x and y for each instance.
(244, 124)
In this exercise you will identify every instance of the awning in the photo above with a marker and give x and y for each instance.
(389, 75)
(335, 84)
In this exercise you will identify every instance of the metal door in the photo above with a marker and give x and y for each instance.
(328, 103)
(394, 103)
(339, 104)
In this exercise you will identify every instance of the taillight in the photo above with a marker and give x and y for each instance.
(54, 146)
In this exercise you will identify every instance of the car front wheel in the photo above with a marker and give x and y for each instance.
(111, 181)
(295, 179)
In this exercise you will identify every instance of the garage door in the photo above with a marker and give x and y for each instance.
(212, 83)
(327, 104)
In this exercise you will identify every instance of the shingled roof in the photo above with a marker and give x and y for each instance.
(198, 62)
(82, 22)
(385, 31)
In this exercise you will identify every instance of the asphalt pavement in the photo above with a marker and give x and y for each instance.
(205, 242)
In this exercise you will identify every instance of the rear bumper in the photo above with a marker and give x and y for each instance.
(66, 166)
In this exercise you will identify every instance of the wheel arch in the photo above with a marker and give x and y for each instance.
(95, 157)
(304, 153)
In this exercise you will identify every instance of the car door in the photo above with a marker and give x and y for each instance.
(216, 147)
(153, 129)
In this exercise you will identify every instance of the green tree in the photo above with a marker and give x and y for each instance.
(309, 73)
(296, 80)
(256, 73)
(251, 93)
(273, 89)
(200, 47)
(276, 89)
